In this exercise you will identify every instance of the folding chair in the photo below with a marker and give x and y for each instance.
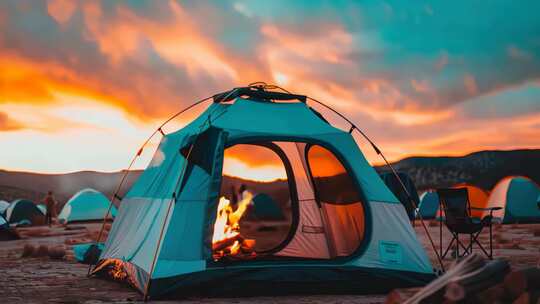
(457, 217)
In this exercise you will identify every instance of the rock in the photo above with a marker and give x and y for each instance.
(28, 250)
(42, 251)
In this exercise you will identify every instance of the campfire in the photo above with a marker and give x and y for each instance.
(116, 271)
(227, 241)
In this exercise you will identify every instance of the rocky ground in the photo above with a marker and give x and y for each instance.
(44, 280)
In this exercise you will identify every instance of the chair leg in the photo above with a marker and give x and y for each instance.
(475, 238)
(443, 255)
(490, 241)
(457, 246)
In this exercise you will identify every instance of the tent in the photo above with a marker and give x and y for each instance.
(24, 211)
(266, 208)
(477, 198)
(396, 187)
(3, 206)
(517, 196)
(4, 224)
(429, 205)
(86, 205)
(42, 208)
(349, 230)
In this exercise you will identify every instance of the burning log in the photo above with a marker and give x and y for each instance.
(227, 240)
(221, 245)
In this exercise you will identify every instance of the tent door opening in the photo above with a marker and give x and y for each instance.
(285, 200)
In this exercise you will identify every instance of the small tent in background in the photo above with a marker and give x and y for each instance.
(517, 195)
(42, 208)
(24, 210)
(477, 197)
(86, 205)
(3, 223)
(429, 205)
(266, 208)
(394, 184)
(3, 206)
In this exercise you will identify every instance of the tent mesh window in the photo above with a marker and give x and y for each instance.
(303, 203)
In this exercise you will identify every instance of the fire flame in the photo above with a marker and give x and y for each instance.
(116, 271)
(227, 240)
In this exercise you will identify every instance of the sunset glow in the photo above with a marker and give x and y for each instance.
(84, 83)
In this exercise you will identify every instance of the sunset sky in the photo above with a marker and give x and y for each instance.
(83, 83)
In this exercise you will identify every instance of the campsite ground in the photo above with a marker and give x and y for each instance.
(40, 280)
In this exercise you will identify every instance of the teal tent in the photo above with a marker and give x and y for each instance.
(349, 232)
(4, 224)
(3, 206)
(20, 211)
(266, 208)
(517, 195)
(429, 205)
(86, 205)
(42, 208)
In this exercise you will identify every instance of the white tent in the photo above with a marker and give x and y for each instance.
(517, 195)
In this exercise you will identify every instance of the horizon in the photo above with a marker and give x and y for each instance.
(84, 83)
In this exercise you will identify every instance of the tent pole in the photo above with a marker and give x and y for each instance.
(379, 152)
(139, 152)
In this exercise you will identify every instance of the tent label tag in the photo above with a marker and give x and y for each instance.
(390, 252)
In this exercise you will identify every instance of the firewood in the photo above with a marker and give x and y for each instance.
(519, 281)
(530, 297)
(492, 273)
(491, 295)
(394, 297)
(223, 244)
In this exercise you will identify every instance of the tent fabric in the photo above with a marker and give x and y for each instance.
(395, 186)
(4, 224)
(162, 233)
(24, 210)
(42, 208)
(86, 205)
(81, 252)
(429, 205)
(3, 206)
(517, 195)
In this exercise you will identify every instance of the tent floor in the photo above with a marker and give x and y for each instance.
(289, 280)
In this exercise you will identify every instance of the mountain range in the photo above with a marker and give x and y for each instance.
(483, 169)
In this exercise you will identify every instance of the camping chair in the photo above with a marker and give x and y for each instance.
(457, 217)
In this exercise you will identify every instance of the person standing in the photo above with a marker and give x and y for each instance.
(50, 203)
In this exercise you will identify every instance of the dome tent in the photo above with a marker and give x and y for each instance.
(351, 231)
(395, 186)
(24, 210)
(517, 196)
(429, 205)
(86, 205)
(42, 208)
(3, 206)
(477, 198)
(4, 224)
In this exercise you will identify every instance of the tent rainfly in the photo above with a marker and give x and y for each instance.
(24, 210)
(349, 231)
(517, 195)
(86, 205)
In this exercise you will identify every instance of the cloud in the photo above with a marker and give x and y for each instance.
(61, 10)
(7, 124)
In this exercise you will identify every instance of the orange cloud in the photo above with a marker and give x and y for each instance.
(61, 10)
(470, 84)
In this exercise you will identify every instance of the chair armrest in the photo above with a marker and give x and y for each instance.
(486, 209)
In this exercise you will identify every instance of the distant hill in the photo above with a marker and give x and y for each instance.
(483, 169)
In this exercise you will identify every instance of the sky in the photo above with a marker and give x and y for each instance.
(84, 83)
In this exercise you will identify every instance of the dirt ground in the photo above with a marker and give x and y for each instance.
(43, 280)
